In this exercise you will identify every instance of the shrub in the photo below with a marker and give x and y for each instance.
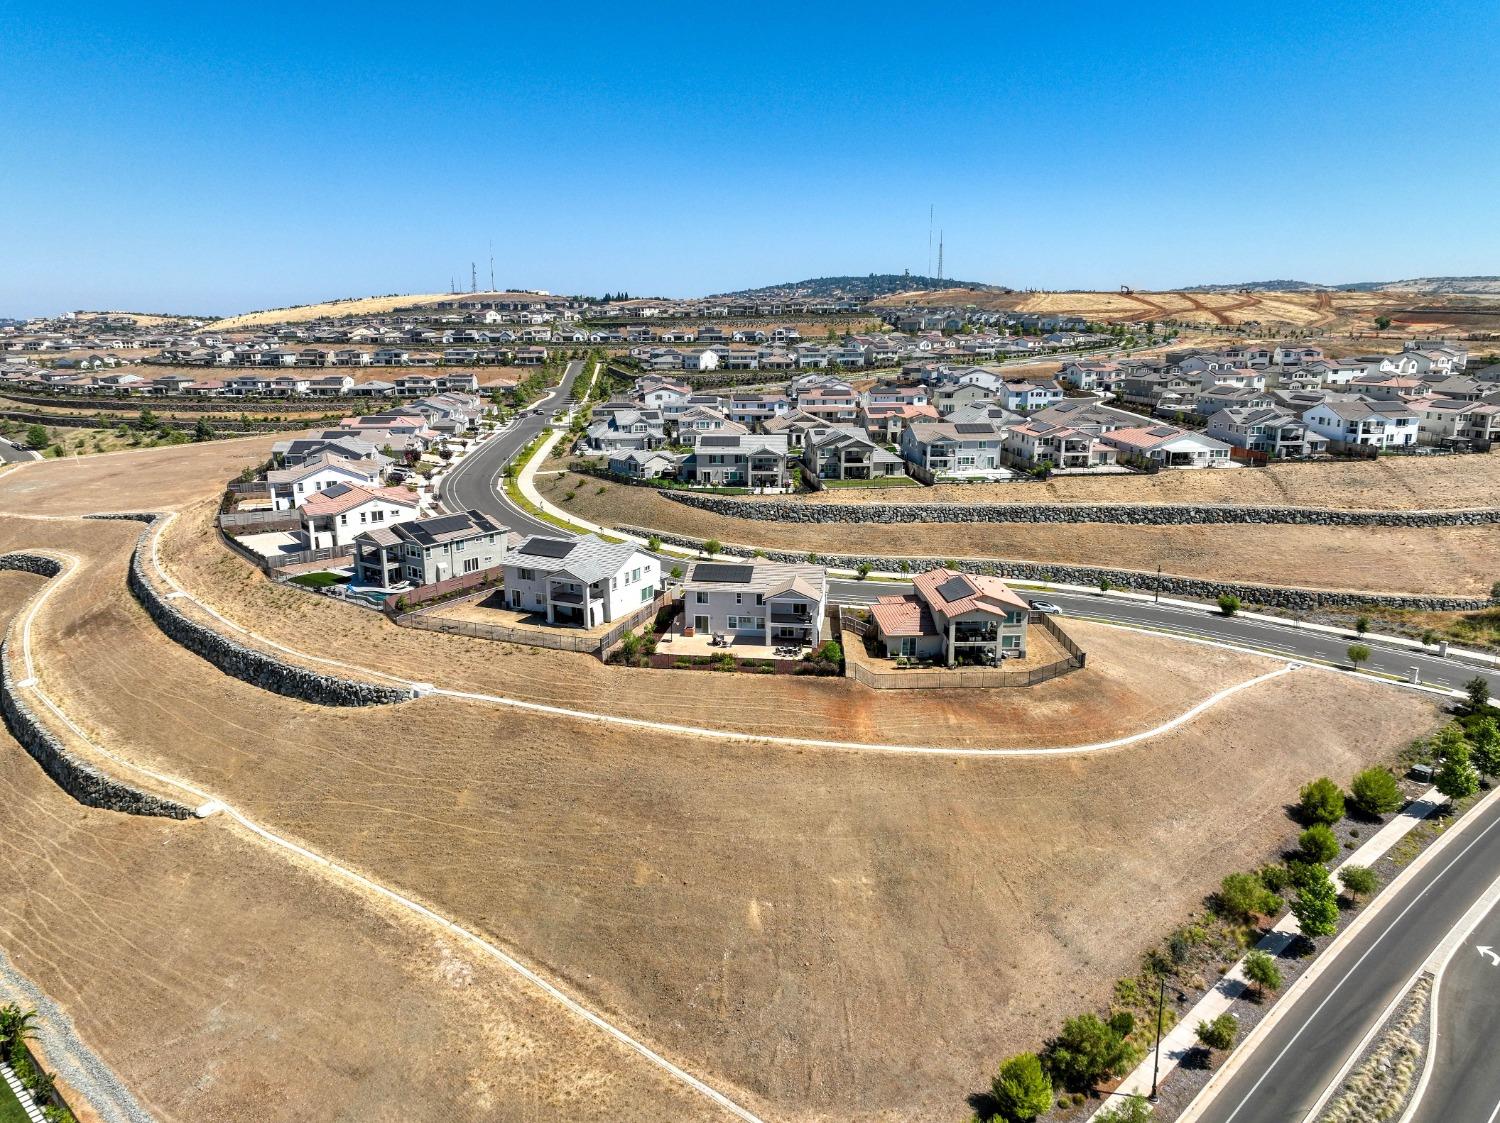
(1317, 905)
(1133, 1109)
(1089, 1049)
(1243, 896)
(676, 574)
(654, 543)
(862, 570)
(1021, 1090)
(1229, 604)
(1321, 802)
(1261, 970)
(1359, 881)
(827, 652)
(1318, 843)
(1275, 877)
(1374, 792)
(712, 547)
(1358, 653)
(1219, 1033)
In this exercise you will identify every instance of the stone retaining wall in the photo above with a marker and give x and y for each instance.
(1138, 514)
(1273, 596)
(247, 664)
(78, 778)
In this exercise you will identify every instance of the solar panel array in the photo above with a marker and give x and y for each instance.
(957, 588)
(720, 573)
(547, 547)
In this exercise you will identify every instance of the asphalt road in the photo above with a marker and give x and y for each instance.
(1204, 622)
(471, 486)
(1296, 1062)
(10, 453)
(1465, 1081)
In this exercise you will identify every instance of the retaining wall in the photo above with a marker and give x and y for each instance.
(1138, 514)
(1274, 596)
(247, 664)
(80, 779)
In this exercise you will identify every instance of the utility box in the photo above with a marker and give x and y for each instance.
(1421, 772)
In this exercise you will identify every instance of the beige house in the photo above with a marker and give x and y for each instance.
(954, 618)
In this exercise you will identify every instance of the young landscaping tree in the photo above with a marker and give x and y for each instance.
(1219, 1033)
(1358, 653)
(1318, 843)
(203, 431)
(1262, 972)
(1229, 604)
(1317, 905)
(1022, 1090)
(1382, 323)
(1321, 802)
(654, 543)
(1358, 881)
(36, 437)
(1133, 1109)
(676, 573)
(712, 547)
(1243, 896)
(1484, 740)
(1374, 792)
(1457, 778)
(1086, 1051)
(1478, 691)
(1104, 585)
(1361, 624)
(862, 570)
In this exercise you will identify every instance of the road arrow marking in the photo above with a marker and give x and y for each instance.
(1493, 958)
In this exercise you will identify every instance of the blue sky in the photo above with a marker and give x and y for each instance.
(216, 158)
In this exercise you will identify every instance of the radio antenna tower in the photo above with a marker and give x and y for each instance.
(940, 256)
(473, 278)
(492, 265)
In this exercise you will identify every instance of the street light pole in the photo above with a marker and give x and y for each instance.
(1161, 1001)
(1158, 583)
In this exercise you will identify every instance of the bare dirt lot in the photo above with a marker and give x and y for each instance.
(223, 982)
(827, 935)
(1457, 560)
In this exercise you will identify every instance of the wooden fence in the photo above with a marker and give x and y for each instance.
(258, 522)
(422, 594)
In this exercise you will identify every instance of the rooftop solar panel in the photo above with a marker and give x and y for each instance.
(957, 588)
(721, 573)
(973, 427)
(547, 547)
(719, 442)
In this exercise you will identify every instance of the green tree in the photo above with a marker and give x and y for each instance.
(1021, 1090)
(1089, 1049)
(1361, 624)
(676, 573)
(1358, 881)
(1358, 653)
(1318, 843)
(147, 420)
(1317, 905)
(1374, 792)
(1262, 972)
(1220, 1032)
(1243, 896)
(654, 543)
(1457, 778)
(1478, 691)
(1484, 740)
(862, 570)
(1229, 604)
(1321, 801)
(712, 547)
(1382, 323)
(36, 437)
(203, 431)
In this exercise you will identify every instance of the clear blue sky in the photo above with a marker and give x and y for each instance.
(215, 158)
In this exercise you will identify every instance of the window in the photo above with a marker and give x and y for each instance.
(471, 565)
(526, 574)
(645, 593)
(377, 516)
(739, 598)
(760, 599)
(700, 597)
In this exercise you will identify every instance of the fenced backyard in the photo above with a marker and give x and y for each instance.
(882, 674)
(599, 645)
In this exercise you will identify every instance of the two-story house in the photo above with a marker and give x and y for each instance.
(426, 551)
(582, 581)
(953, 618)
(754, 602)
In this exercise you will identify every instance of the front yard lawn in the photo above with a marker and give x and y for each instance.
(11, 1110)
(883, 481)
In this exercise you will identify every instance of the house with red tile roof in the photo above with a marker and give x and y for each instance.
(953, 618)
(334, 517)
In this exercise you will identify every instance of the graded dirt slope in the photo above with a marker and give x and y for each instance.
(358, 306)
(825, 934)
(221, 981)
(1449, 560)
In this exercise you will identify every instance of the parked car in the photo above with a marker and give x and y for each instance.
(1044, 606)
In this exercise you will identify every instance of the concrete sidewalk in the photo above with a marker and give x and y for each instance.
(1183, 1036)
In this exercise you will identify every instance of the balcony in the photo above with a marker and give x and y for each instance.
(565, 596)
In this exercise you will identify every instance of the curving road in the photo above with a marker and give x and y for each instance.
(472, 486)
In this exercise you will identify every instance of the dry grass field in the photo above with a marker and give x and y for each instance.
(223, 982)
(1459, 560)
(1332, 311)
(360, 306)
(825, 935)
(820, 934)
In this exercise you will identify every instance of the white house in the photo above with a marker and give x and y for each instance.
(337, 515)
(1360, 421)
(290, 486)
(581, 581)
(1170, 447)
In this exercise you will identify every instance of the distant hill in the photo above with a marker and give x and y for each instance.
(867, 287)
(1432, 286)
